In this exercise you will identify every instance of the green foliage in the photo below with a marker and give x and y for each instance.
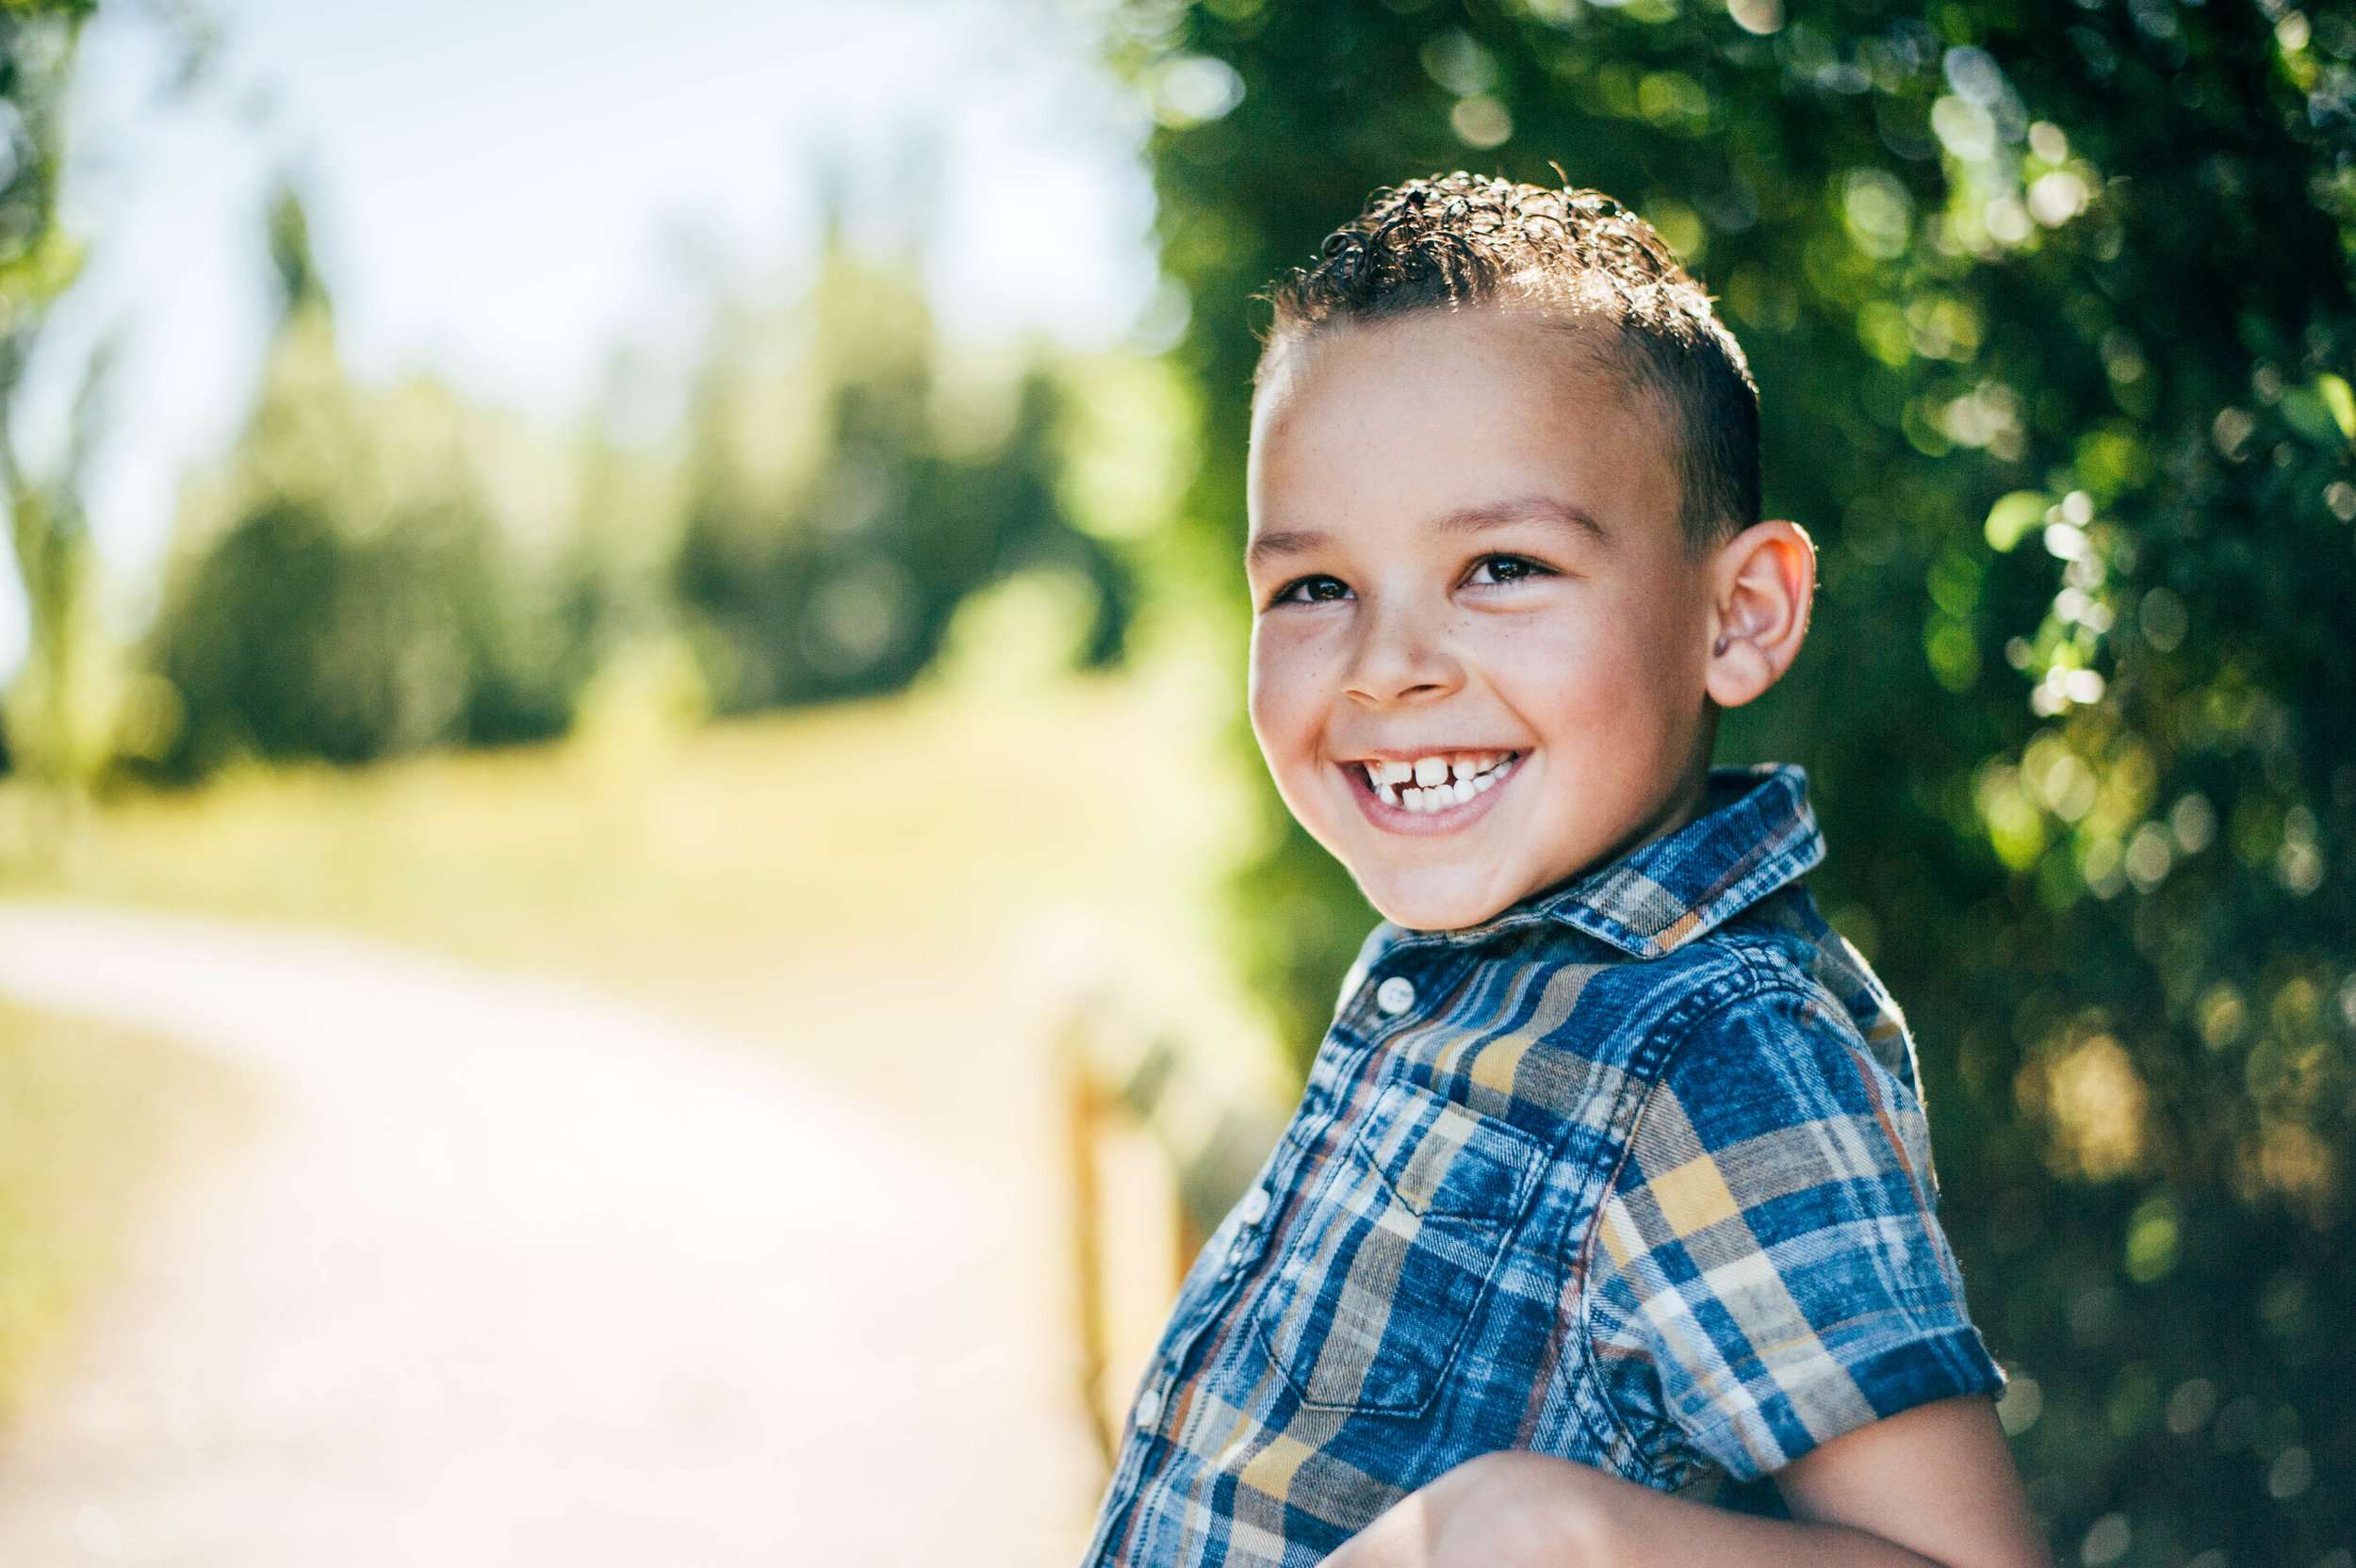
(51, 716)
(37, 258)
(835, 574)
(351, 587)
(2049, 303)
(345, 590)
(290, 638)
(61, 713)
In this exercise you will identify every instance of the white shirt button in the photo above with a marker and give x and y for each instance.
(1149, 1409)
(1395, 994)
(1253, 1206)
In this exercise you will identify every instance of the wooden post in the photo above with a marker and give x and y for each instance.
(1190, 1234)
(1084, 1112)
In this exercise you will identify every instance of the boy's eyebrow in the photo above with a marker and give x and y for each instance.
(1522, 509)
(1285, 542)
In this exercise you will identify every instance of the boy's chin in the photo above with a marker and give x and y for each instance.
(1437, 906)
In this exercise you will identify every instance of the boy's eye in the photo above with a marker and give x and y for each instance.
(1317, 589)
(1505, 568)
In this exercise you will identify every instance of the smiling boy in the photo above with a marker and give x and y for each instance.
(1610, 1193)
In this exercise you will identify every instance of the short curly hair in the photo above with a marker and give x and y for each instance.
(1457, 239)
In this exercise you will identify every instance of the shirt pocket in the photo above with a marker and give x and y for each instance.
(1385, 1272)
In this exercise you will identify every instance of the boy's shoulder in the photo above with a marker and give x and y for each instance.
(1771, 995)
(1793, 965)
(1806, 1038)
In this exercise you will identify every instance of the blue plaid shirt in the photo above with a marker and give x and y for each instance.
(1635, 1174)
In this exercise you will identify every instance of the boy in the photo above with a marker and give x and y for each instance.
(1610, 1183)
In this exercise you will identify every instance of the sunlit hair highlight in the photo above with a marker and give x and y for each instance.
(1459, 240)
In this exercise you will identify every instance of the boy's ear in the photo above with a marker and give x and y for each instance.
(1761, 581)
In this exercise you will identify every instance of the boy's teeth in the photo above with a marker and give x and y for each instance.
(1438, 782)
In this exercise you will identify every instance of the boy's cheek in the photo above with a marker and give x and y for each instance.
(1290, 763)
(1284, 699)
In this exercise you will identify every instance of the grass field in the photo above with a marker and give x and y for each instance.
(93, 1123)
(824, 881)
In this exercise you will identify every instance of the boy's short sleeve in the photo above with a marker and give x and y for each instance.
(1769, 1270)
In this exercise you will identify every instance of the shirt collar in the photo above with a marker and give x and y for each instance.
(1759, 836)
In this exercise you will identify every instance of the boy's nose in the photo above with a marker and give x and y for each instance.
(1402, 656)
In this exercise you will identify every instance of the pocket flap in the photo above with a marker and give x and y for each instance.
(1442, 1159)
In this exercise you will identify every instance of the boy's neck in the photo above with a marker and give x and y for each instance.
(1686, 806)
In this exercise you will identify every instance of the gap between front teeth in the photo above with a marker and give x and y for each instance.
(1436, 783)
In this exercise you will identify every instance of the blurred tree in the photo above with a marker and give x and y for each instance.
(842, 500)
(2049, 303)
(63, 711)
(48, 716)
(344, 590)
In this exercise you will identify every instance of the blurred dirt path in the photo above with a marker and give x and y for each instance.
(520, 1276)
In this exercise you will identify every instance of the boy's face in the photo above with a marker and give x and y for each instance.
(1466, 561)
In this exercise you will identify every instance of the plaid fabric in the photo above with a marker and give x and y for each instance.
(1635, 1174)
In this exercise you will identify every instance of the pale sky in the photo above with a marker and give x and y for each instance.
(502, 192)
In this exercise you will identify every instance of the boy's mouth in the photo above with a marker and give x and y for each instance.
(1436, 782)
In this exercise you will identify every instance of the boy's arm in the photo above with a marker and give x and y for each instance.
(1933, 1485)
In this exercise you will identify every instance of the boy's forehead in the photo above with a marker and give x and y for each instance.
(1480, 415)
